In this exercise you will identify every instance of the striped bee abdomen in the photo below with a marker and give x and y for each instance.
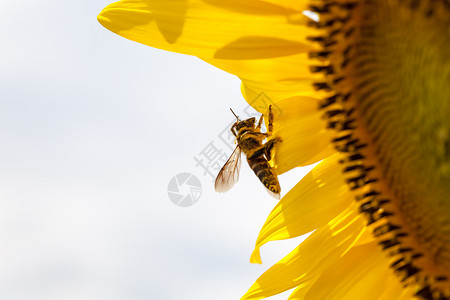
(265, 173)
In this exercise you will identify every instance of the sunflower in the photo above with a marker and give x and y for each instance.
(363, 87)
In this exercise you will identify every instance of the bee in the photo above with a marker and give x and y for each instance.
(249, 139)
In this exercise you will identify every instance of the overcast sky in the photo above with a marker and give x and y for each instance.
(92, 129)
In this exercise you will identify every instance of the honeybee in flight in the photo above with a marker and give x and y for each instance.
(249, 140)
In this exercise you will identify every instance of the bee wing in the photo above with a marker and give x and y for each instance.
(229, 174)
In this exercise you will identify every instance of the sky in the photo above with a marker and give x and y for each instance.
(93, 127)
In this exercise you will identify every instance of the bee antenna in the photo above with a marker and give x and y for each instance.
(234, 114)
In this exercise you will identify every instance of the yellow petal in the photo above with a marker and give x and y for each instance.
(305, 139)
(272, 69)
(316, 254)
(294, 4)
(302, 139)
(300, 291)
(362, 273)
(366, 237)
(278, 90)
(230, 29)
(320, 155)
(393, 291)
(286, 109)
(319, 197)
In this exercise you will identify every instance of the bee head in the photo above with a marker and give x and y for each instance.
(249, 123)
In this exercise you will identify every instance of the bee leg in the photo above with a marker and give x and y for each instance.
(270, 127)
(269, 147)
(258, 127)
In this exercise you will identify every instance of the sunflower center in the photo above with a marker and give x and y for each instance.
(401, 69)
(391, 74)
